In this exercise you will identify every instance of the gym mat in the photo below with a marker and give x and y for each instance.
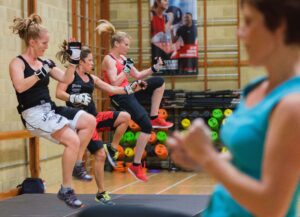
(47, 205)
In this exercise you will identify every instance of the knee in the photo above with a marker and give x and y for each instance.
(160, 82)
(89, 121)
(125, 117)
(100, 156)
(73, 142)
(145, 124)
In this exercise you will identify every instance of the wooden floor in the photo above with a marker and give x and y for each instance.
(164, 182)
(159, 183)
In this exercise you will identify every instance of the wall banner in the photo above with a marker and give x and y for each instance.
(174, 36)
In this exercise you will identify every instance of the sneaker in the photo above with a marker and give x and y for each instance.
(138, 173)
(104, 198)
(161, 123)
(79, 172)
(69, 198)
(111, 153)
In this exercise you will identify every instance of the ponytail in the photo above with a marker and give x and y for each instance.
(28, 28)
(116, 36)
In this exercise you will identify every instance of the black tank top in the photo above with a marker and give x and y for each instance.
(37, 94)
(79, 86)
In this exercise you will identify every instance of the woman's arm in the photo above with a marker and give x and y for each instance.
(63, 76)
(270, 196)
(107, 87)
(139, 75)
(61, 91)
(21, 84)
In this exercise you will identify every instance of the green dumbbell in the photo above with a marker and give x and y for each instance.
(161, 136)
(130, 137)
(213, 124)
(218, 114)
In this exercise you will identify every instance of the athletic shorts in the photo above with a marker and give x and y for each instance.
(131, 103)
(44, 120)
(105, 122)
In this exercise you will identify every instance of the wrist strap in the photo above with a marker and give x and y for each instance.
(153, 69)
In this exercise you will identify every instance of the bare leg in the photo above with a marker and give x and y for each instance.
(156, 99)
(121, 125)
(99, 169)
(71, 141)
(85, 128)
(140, 147)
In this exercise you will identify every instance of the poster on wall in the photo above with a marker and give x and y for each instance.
(174, 36)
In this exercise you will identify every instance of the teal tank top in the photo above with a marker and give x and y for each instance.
(244, 135)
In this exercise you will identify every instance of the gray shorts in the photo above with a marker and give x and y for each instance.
(44, 120)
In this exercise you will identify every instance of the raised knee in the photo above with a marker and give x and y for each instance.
(125, 116)
(89, 120)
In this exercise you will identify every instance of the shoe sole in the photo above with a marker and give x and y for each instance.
(110, 160)
(133, 174)
(69, 205)
(162, 127)
(84, 180)
(104, 203)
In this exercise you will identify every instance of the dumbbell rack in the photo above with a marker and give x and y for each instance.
(195, 104)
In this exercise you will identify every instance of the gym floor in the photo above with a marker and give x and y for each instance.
(159, 183)
(164, 182)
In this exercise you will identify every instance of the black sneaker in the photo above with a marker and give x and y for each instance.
(79, 172)
(111, 153)
(104, 198)
(69, 198)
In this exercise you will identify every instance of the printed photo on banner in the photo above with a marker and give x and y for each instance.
(174, 36)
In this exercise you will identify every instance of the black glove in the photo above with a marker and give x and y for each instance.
(158, 63)
(74, 49)
(48, 65)
(142, 84)
(128, 64)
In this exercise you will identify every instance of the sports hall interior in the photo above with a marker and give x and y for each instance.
(222, 65)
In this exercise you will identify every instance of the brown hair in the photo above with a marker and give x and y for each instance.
(63, 56)
(116, 36)
(277, 11)
(28, 28)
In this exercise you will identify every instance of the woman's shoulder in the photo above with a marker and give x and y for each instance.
(17, 61)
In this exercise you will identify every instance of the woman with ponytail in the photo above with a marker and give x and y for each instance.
(30, 75)
(78, 94)
(116, 71)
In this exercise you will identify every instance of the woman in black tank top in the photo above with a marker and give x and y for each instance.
(30, 77)
(82, 86)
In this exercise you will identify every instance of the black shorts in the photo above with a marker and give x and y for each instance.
(131, 103)
(105, 122)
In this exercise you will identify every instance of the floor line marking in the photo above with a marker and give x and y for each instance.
(177, 183)
(131, 183)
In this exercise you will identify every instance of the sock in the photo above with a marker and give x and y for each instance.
(78, 163)
(136, 164)
(64, 189)
(153, 117)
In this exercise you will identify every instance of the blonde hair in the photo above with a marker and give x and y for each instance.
(28, 28)
(116, 36)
